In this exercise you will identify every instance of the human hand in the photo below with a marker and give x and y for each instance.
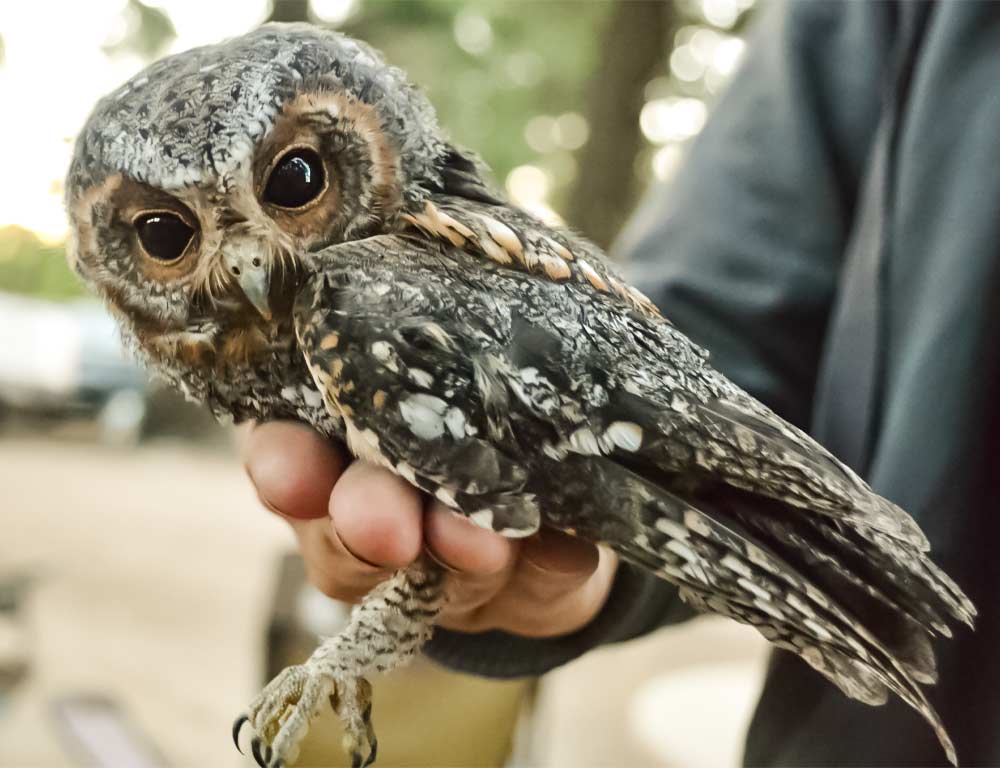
(356, 523)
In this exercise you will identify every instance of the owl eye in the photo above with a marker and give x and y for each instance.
(296, 179)
(163, 235)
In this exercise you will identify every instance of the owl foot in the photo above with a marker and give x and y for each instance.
(385, 631)
(280, 715)
(352, 701)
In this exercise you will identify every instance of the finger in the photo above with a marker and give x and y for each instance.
(558, 586)
(377, 516)
(562, 561)
(330, 567)
(479, 562)
(293, 468)
(461, 545)
(296, 471)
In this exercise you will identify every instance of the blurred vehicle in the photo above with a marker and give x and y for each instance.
(64, 360)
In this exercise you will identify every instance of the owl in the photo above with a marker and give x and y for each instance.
(283, 231)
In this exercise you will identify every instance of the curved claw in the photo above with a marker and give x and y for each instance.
(358, 760)
(237, 727)
(255, 750)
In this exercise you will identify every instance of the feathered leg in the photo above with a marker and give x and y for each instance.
(386, 630)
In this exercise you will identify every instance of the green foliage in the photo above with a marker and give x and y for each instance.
(537, 61)
(27, 265)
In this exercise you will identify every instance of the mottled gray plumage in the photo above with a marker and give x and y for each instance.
(494, 362)
(193, 118)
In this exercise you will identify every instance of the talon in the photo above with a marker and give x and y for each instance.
(356, 760)
(237, 727)
(255, 750)
(371, 755)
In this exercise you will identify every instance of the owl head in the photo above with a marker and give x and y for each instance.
(199, 187)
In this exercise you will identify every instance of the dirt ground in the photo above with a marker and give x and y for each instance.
(155, 568)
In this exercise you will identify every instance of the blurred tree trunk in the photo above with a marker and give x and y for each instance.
(289, 10)
(634, 45)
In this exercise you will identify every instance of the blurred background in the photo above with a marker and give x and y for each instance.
(144, 596)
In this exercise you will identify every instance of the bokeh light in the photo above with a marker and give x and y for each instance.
(473, 32)
(672, 119)
(721, 13)
(334, 11)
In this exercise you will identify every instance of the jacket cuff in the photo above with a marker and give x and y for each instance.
(638, 603)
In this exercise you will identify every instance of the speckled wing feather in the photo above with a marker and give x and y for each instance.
(518, 400)
(418, 379)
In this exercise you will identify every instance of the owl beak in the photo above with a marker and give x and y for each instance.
(257, 285)
(254, 278)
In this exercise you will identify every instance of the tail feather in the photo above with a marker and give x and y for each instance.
(727, 558)
(900, 622)
(751, 448)
(801, 618)
(930, 576)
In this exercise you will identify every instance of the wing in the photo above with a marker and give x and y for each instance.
(518, 391)
(447, 365)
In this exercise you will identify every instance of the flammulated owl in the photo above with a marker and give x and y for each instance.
(284, 232)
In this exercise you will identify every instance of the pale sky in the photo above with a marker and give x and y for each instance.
(55, 71)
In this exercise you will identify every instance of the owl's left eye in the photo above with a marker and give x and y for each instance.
(164, 235)
(296, 179)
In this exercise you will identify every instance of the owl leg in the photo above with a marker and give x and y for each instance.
(385, 631)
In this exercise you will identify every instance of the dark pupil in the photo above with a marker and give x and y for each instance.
(163, 235)
(295, 180)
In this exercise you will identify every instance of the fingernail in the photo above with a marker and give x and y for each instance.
(438, 561)
(264, 501)
(526, 559)
(352, 553)
(532, 542)
(550, 562)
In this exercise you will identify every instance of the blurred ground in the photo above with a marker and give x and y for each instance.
(154, 576)
(156, 569)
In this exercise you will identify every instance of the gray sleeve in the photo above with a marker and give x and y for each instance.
(742, 251)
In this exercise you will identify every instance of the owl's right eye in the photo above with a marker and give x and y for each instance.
(164, 235)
